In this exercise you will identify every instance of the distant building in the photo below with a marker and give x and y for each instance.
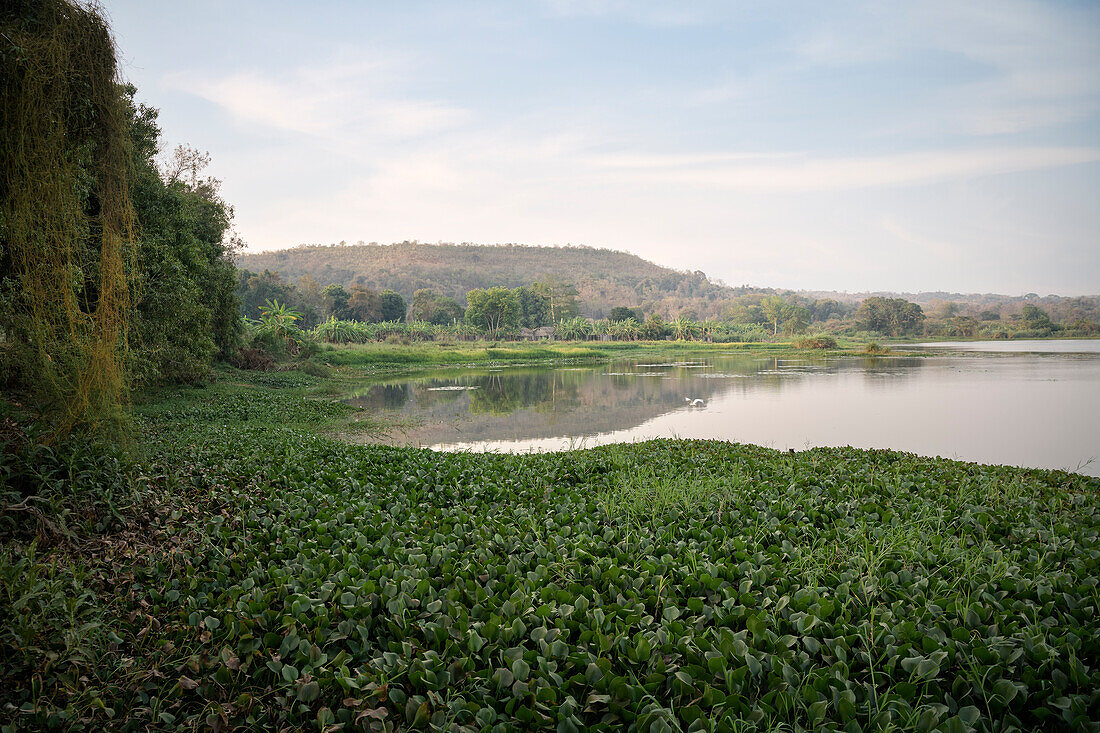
(542, 333)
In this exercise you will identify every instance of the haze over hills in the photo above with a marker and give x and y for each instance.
(604, 278)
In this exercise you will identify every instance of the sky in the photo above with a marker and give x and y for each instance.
(846, 146)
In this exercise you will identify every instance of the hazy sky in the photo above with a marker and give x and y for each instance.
(852, 146)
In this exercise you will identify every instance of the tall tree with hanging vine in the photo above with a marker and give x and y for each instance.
(66, 223)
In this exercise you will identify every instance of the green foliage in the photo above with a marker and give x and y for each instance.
(654, 329)
(393, 306)
(336, 301)
(1035, 319)
(534, 307)
(891, 316)
(816, 342)
(493, 311)
(66, 225)
(696, 583)
(575, 329)
(684, 329)
(51, 493)
(253, 290)
(365, 304)
(429, 306)
(622, 313)
(278, 322)
(185, 281)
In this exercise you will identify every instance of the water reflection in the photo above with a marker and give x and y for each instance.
(1024, 410)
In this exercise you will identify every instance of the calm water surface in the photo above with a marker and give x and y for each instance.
(1026, 409)
(1031, 346)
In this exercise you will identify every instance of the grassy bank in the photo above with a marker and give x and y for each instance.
(385, 355)
(253, 574)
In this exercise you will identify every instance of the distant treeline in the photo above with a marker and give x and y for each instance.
(605, 279)
(500, 312)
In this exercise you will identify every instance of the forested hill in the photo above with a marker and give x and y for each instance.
(604, 278)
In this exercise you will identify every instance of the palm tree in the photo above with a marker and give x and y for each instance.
(684, 329)
(627, 329)
(278, 319)
(335, 332)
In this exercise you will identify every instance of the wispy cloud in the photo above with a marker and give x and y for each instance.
(789, 173)
(1039, 66)
(332, 99)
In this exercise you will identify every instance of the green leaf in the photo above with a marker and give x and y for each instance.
(309, 692)
(969, 714)
(927, 669)
(1005, 690)
(754, 665)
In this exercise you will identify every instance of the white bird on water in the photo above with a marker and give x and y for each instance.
(694, 402)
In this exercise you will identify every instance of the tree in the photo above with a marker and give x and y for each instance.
(562, 295)
(684, 329)
(393, 306)
(892, 316)
(795, 319)
(447, 310)
(424, 305)
(365, 304)
(654, 329)
(492, 310)
(745, 309)
(254, 290)
(1036, 319)
(574, 329)
(430, 307)
(311, 301)
(279, 321)
(336, 299)
(774, 309)
(186, 287)
(825, 308)
(534, 307)
(945, 309)
(65, 217)
(622, 313)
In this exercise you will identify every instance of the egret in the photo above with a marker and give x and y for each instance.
(694, 402)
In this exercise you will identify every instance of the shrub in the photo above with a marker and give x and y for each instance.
(313, 369)
(252, 358)
(816, 342)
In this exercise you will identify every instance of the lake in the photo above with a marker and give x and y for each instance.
(1039, 407)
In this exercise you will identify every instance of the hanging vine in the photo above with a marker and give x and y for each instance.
(66, 223)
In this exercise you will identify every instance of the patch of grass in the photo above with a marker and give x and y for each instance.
(431, 354)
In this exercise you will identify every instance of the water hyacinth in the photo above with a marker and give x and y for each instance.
(688, 585)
